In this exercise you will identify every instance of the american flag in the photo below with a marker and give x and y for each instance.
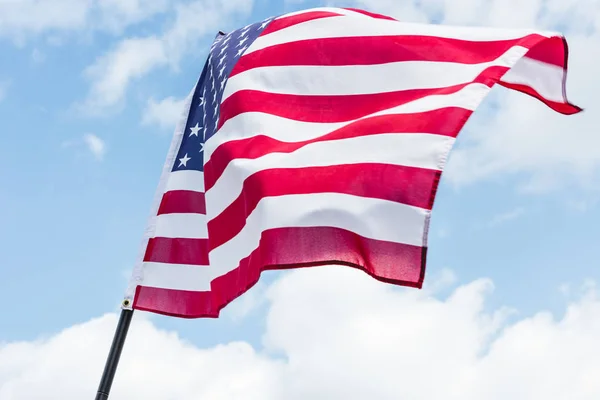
(319, 137)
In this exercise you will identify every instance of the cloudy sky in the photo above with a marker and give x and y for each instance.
(89, 94)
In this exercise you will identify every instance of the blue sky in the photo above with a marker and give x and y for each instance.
(88, 101)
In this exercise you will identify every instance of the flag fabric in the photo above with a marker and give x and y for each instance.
(319, 137)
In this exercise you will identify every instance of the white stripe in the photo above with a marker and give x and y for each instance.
(407, 149)
(251, 124)
(348, 27)
(183, 225)
(138, 269)
(186, 180)
(351, 79)
(371, 218)
(367, 217)
(544, 78)
(176, 276)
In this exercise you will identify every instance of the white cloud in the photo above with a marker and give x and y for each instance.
(134, 58)
(37, 56)
(95, 145)
(112, 72)
(25, 17)
(525, 136)
(116, 15)
(4, 84)
(507, 216)
(579, 15)
(332, 333)
(245, 305)
(164, 113)
(22, 19)
(155, 365)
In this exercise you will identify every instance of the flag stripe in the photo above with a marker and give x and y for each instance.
(367, 217)
(333, 10)
(369, 50)
(387, 261)
(251, 124)
(177, 251)
(406, 185)
(337, 80)
(561, 107)
(419, 150)
(285, 22)
(339, 27)
(182, 201)
(551, 51)
(185, 180)
(445, 122)
(411, 150)
(313, 108)
(370, 14)
(545, 79)
(177, 276)
(186, 225)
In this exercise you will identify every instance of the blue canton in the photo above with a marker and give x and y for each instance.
(204, 111)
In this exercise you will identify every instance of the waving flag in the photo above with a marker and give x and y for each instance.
(319, 137)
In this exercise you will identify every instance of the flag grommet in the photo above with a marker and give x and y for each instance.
(126, 303)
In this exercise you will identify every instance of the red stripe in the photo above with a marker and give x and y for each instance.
(371, 50)
(370, 14)
(286, 22)
(564, 108)
(284, 248)
(324, 109)
(182, 201)
(401, 184)
(177, 251)
(551, 51)
(446, 121)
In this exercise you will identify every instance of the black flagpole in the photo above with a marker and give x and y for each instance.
(114, 354)
(112, 362)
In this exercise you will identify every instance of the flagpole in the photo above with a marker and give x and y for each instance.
(112, 362)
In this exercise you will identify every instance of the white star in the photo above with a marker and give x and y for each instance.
(221, 71)
(241, 43)
(201, 147)
(240, 51)
(195, 130)
(221, 61)
(223, 49)
(227, 39)
(201, 102)
(214, 97)
(183, 161)
(264, 24)
(215, 111)
(223, 84)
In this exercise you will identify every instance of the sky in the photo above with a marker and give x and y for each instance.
(89, 94)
